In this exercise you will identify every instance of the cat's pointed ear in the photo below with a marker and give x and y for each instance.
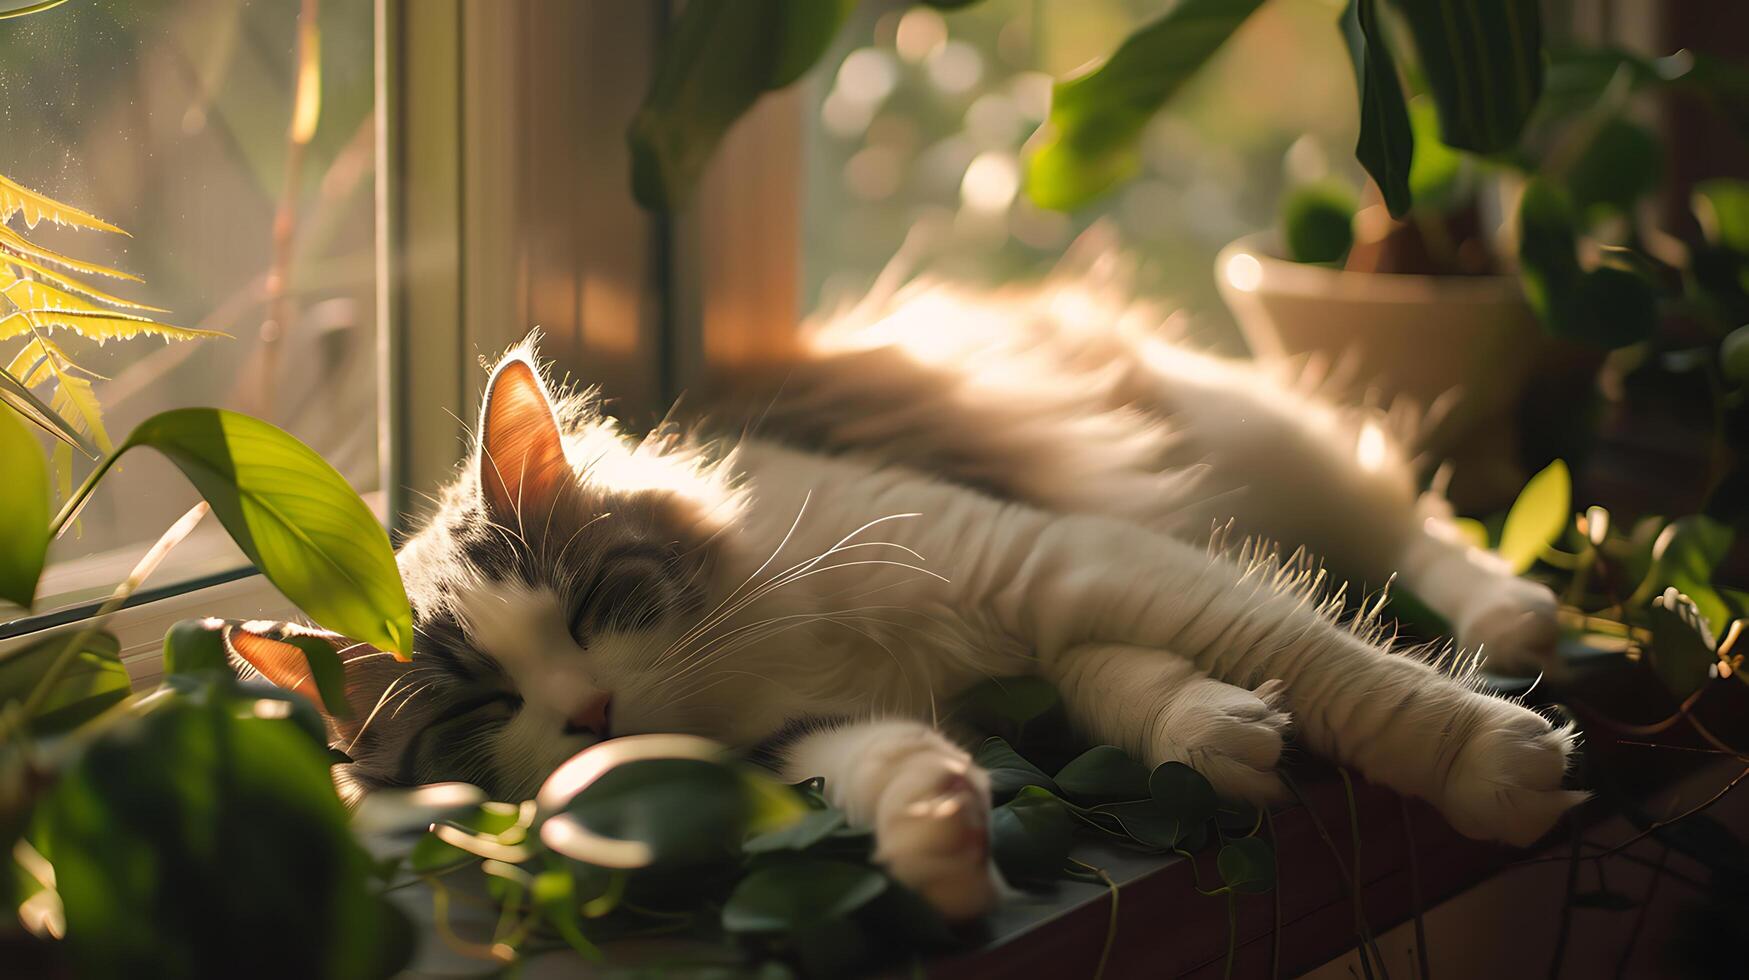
(278, 653)
(522, 456)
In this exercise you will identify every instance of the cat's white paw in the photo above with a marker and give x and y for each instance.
(1232, 736)
(1512, 622)
(932, 831)
(1505, 784)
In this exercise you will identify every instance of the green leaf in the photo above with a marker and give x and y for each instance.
(1387, 141)
(1622, 163)
(195, 645)
(24, 499)
(1009, 772)
(1734, 355)
(554, 893)
(196, 839)
(1435, 169)
(295, 517)
(1182, 792)
(1611, 307)
(1483, 62)
(718, 59)
(1103, 774)
(799, 895)
(1318, 222)
(1547, 249)
(812, 828)
(1247, 865)
(1473, 531)
(1008, 701)
(1683, 653)
(1090, 141)
(1684, 557)
(89, 685)
(1537, 517)
(1030, 836)
(688, 812)
(1722, 206)
(1147, 822)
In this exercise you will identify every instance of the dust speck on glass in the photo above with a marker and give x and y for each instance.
(170, 118)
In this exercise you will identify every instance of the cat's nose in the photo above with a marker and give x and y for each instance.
(593, 717)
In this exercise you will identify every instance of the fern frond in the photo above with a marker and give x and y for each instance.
(31, 364)
(38, 207)
(45, 276)
(12, 241)
(26, 405)
(101, 326)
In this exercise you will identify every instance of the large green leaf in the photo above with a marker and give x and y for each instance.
(1621, 163)
(718, 59)
(295, 517)
(1542, 509)
(1009, 771)
(1030, 836)
(1104, 774)
(198, 840)
(24, 500)
(1096, 121)
(1387, 141)
(688, 812)
(1723, 207)
(796, 895)
(93, 681)
(1483, 61)
(1247, 865)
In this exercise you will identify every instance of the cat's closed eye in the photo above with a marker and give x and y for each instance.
(632, 595)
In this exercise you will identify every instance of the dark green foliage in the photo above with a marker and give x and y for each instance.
(1387, 141)
(1483, 62)
(199, 840)
(1103, 774)
(719, 58)
(1009, 773)
(1030, 836)
(1318, 223)
(1622, 163)
(92, 681)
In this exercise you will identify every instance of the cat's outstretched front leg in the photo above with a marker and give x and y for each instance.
(927, 802)
(1161, 708)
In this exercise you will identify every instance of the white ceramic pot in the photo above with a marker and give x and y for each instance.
(1406, 335)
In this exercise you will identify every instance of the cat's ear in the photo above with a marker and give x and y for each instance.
(275, 650)
(522, 457)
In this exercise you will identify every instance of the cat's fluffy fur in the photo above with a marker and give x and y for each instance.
(941, 487)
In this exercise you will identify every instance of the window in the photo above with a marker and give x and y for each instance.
(916, 121)
(170, 118)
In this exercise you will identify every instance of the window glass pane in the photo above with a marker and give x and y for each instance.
(917, 119)
(172, 119)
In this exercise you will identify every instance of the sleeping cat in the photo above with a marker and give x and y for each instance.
(941, 487)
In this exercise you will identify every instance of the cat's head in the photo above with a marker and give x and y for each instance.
(557, 592)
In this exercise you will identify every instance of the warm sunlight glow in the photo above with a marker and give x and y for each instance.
(1370, 448)
(1244, 272)
(991, 182)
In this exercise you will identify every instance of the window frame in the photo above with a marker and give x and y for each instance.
(468, 130)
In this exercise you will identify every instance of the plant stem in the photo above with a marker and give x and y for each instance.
(1423, 970)
(142, 570)
(82, 495)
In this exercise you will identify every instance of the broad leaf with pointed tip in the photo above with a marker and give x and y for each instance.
(1537, 516)
(1386, 147)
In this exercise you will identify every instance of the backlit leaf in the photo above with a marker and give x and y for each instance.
(37, 207)
(1537, 517)
(67, 283)
(99, 326)
(1723, 209)
(12, 240)
(296, 518)
(1386, 147)
(24, 500)
(19, 398)
(1091, 139)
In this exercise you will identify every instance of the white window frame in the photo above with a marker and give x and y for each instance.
(503, 204)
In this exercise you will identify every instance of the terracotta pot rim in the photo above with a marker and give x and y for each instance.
(1278, 276)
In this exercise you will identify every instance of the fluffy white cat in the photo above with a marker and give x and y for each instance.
(943, 486)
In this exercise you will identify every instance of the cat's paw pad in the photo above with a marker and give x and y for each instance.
(1234, 737)
(932, 831)
(1505, 783)
(1512, 622)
